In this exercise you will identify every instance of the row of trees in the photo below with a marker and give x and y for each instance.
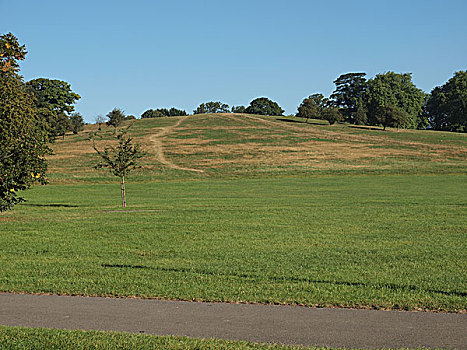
(388, 99)
(163, 112)
(391, 99)
(261, 106)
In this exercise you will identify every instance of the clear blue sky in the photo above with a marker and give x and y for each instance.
(137, 54)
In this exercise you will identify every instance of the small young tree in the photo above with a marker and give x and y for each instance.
(116, 117)
(120, 159)
(100, 119)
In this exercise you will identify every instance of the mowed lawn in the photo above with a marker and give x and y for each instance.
(355, 241)
(58, 339)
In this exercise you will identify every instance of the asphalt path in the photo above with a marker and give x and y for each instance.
(258, 323)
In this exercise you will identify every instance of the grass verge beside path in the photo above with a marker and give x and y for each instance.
(40, 338)
(364, 241)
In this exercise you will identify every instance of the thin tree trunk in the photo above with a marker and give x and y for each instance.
(123, 192)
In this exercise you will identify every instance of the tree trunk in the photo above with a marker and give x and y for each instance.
(123, 192)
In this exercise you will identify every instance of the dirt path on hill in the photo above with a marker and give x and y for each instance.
(156, 139)
(370, 329)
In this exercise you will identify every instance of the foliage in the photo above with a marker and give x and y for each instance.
(361, 115)
(312, 107)
(10, 53)
(264, 106)
(120, 159)
(76, 122)
(23, 136)
(332, 115)
(390, 116)
(163, 112)
(54, 99)
(62, 125)
(130, 117)
(115, 118)
(212, 107)
(398, 91)
(447, 104)
(238, 109)
(350, 88)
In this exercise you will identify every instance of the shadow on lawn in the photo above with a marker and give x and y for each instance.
(298, 121)
(366, 127)
(293, 279)
(52, 205)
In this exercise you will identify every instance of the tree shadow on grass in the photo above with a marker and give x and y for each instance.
(51, 205)
(375, 128)
(391, 286)
(299, 121)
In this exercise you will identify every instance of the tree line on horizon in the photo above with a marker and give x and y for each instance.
(389, 99)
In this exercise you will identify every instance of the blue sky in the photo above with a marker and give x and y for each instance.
(137, 54)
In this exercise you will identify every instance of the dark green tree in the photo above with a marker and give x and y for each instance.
(238, 109)
(390, 116)
(120, 159)
(350, 88)
(76, 122)
(23, 135)
(361, 115)
(312, 107)
(398, 91)
(62, 125)
(212, 107)
(175, 112)
(151, 113)
(331, 114)
(53, 99)
(264, 106)
(163, 112)
(447, 104)
(115, 118)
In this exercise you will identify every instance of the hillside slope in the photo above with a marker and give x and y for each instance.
(232, 145)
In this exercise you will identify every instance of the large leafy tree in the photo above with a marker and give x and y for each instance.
(264, 106)
(212, 107)
(390, 116)
(54, 100)
(396, 90)
(350, 88)
(312, 107)
(23, 136)
(447, 104)
(331, 114)
(120, 159)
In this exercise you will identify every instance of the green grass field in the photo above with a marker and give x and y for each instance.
(282, 212)
(13, 338)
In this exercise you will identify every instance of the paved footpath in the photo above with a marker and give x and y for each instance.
(258, 323)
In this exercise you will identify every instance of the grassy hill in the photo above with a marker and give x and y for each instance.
(251, 209)
(229, 145)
